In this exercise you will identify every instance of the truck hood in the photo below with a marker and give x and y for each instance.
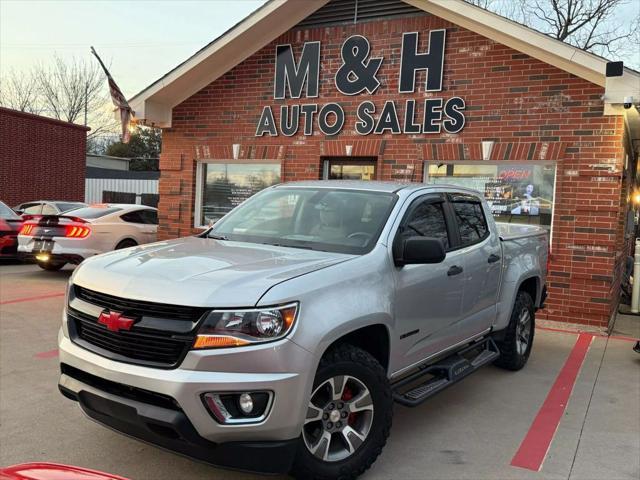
(198, 271)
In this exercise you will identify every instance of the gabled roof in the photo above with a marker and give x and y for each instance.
(154, 104)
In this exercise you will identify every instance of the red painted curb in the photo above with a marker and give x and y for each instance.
(594, 334)
(536, 443)
(29, 299)
(49, 354)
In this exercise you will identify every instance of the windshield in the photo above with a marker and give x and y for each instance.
(333, 220)
(66, 206)
(6, 212)
(89, 213)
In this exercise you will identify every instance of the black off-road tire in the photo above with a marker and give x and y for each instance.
(126, 243)
(510, 358)
(349, 360)
(51, 266)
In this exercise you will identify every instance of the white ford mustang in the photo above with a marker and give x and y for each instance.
(55, 240)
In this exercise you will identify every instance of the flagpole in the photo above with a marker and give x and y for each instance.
(118, 99)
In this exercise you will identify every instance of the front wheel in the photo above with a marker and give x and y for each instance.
(348, 417)
(515, 347)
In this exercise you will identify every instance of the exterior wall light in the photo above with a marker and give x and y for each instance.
(487, 148)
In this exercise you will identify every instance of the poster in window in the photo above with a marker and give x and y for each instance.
(227, 185)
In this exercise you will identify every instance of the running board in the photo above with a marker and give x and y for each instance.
(442, 374)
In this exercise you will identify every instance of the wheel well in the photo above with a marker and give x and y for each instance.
(128, 239)
(373, 339)
(530, 285)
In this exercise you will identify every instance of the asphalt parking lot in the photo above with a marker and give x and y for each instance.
(493, 425)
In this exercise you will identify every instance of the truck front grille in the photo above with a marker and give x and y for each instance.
(137, 307)
(147, 343)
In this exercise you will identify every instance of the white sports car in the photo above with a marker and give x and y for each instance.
(55, 240)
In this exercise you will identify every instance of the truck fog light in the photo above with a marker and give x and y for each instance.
(246, 403)
(238, 408)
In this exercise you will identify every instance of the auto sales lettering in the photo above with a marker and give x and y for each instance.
(358, 74)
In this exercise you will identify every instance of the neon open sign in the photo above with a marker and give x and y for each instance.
(358, 74)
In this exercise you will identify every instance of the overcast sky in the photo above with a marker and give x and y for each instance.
(140, 40)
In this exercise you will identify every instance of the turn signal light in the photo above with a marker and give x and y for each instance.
(77, 231)
(218, 341)
(26, 229)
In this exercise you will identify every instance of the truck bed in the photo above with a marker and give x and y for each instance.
(514, 231)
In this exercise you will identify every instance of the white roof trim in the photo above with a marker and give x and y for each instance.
(154, 104)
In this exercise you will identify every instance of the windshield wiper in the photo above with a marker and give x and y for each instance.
(217, 237)
(305, 247)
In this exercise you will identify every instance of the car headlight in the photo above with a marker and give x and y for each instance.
(238, 327)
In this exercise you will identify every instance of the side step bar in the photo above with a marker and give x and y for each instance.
(444, 373)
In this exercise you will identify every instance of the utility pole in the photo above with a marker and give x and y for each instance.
(86, 100)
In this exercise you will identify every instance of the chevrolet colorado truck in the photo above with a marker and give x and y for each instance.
(278, 339)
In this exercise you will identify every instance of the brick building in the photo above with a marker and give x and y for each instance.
(40, 158)
(416, 90)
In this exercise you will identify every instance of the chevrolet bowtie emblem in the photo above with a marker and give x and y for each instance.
(115, 322)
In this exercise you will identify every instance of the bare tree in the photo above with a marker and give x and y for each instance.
(74, 91)
(597, 26)
(19, 92)
(588, 24)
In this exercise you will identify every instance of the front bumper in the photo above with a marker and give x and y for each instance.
(171, 429)
(186, 426)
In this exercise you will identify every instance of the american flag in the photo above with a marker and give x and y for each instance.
(119, 100)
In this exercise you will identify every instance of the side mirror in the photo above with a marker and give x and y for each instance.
(417, 250)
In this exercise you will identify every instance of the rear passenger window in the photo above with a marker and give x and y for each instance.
(133, 217)
(471, 221)
(149, 216)
(427, 220)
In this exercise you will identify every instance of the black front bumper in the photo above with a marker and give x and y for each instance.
(171, 429)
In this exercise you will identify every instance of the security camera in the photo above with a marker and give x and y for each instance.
(628, 102)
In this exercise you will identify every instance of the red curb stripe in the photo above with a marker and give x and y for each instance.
(577, 332)
(49, 354)
(536, 443)
(30, 299)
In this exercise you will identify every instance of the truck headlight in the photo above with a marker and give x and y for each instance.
(238, 327)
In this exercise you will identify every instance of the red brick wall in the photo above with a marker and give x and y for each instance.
(530, 109)
(40, 158)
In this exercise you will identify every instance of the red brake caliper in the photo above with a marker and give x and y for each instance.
(347, 395)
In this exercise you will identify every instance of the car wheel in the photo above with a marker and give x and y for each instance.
(51, 266)
(515, 347)
(126, 244)
(348, 417)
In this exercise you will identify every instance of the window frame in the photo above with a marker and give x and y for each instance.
(429, 197)
(472, 199)
(201, 178)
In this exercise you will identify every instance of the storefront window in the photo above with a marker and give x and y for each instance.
(226, 185)
(516, 193)
(349, 169)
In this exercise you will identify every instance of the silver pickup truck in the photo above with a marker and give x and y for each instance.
(279, 339)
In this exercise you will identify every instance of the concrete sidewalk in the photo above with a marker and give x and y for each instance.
(470, 431)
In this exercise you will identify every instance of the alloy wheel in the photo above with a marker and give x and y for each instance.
(339, 418)
(523, 332)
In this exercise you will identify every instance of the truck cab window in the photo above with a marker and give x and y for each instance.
(471, 222)
(426, 220)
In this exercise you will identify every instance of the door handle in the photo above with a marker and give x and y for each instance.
(455, 270)
(493, 258)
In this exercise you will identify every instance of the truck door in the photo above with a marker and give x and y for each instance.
(428, 297)
(481, 249)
